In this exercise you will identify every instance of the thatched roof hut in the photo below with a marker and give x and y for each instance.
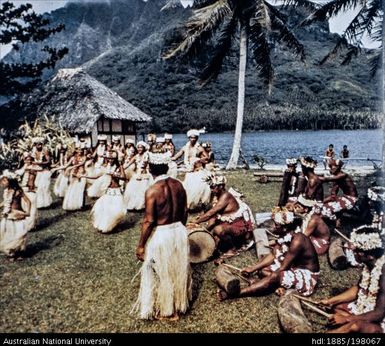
(87, 107)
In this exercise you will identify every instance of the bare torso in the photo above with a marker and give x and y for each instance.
(314, 188)
(306, 256)
(347, 186)
(170, 201)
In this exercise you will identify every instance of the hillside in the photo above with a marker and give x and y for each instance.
(120, 43)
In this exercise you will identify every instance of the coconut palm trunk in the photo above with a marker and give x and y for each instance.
(233, 162)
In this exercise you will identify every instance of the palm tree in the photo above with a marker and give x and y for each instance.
(368, 21)
(258, 24)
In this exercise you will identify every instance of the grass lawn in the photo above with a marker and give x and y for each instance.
(77, 280)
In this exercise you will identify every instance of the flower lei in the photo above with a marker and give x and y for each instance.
(280, 252)
(366, 241)
(376, 195)
(7, 200)
(368, 289)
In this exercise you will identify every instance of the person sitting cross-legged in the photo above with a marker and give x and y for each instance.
(293, 263)
(361, 308)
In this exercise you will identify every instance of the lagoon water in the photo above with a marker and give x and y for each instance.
(276, 146)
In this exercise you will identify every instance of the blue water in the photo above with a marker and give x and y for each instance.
(276, 146)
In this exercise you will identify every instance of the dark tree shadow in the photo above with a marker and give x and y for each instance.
(46, 244)
(198, 271)
(46, 222)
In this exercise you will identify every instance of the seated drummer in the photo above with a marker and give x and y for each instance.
(361, 308)
(313, 224)
(293, 263)
(229, 218)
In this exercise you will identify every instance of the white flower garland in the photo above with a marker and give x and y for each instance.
(366, 241)
(368, 289)
(279, 254)
(7, 200)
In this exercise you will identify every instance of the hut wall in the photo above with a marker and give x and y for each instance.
(125, 128)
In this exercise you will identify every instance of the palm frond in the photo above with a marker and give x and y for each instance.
(262, 15)
(331, 9)
(376, 34)
(285, 35)
(363, 22)
(201, 27)
(310, 5)
(261, 51)
(170, 4)
(375, 62)
(202, 3)
(223, 47)
(353, 35)
(352, 52)
(340, 45)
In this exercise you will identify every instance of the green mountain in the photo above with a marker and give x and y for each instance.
(120, 43)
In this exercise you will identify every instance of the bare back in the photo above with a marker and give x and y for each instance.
(170, 201)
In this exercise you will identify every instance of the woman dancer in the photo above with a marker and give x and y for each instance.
(110, 210)
(42, 158)
(74, 198)
(141, 180)
(13, 230)
(28, 177)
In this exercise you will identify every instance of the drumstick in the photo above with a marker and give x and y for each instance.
(238, 271)
(232, 267)
(272, 234)
(321, 312)
(308, 300)
(342, 235)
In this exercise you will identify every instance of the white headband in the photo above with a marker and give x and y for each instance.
(193, 133)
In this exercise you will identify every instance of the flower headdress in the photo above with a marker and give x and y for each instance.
(159, 158)
(291, 161)
(282, 216)
(215, 180)
(366, 241)
(308, 162)
(376, 193)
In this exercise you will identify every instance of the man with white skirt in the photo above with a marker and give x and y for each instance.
(165, 288)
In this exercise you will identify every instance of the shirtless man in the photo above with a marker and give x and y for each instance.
(329, 155)
(229, 218)
(163, 246)
(344, 182)
(294, 263)
(361, 309)
(191, 150)
(313, 225)
(314, 188)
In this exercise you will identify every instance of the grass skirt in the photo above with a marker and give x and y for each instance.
(74, 197)
(31, 220)
(172, 170)
(13, 236)
(108, 211)
(99, 187)
(61, 185)
(198, 192)
(43, 192)
(135, 191)
(165, 286)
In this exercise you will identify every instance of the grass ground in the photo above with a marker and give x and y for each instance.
(77, 280)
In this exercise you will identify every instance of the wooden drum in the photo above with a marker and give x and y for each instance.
(202, 244)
